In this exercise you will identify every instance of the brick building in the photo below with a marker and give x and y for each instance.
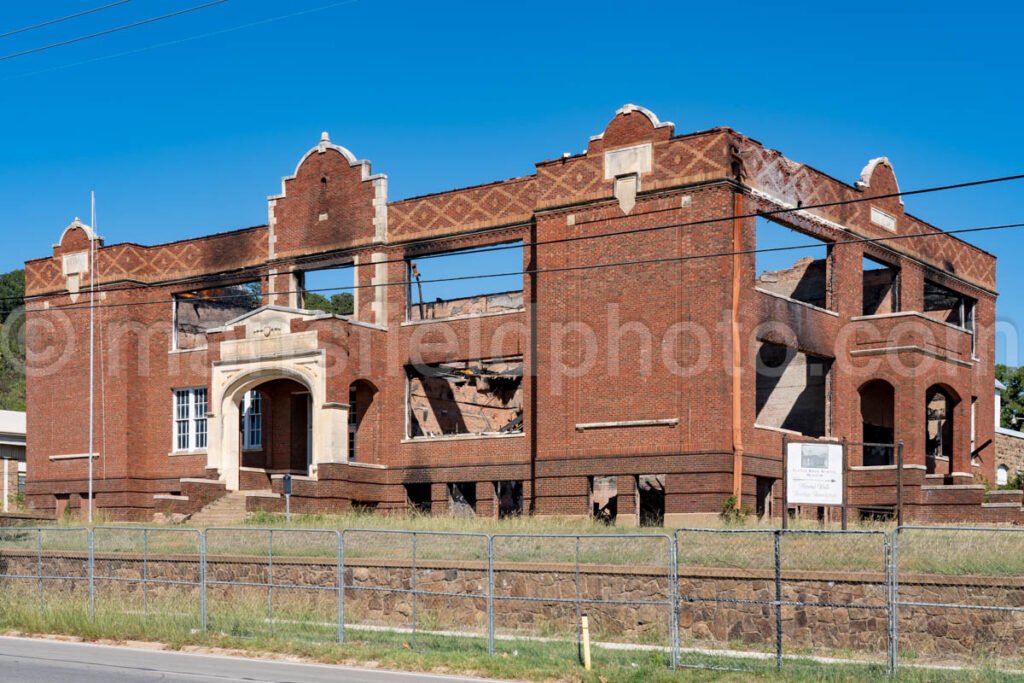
(646, 365)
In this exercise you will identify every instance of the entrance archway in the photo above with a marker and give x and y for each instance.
(275, 424)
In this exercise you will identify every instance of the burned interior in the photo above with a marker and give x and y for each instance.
(880, 287)
(798, 268)
(200, 310)
(943, 304)
(466, 397)
(792, 390)
(480, 281)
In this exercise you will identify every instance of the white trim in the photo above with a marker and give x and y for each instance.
(72, 456)
(865, 175)
(458, 437)
(670, 422)
(917, 314)
(6, 491)
(629, 109)
(1012, 433)
(77, 224)
(464, 316)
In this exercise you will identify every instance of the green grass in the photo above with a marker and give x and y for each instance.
(519, 659)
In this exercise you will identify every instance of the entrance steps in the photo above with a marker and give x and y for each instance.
(225, 511)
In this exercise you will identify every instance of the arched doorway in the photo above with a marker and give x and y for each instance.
(362, 423)
(274, 427)
(878, 417)
(940, 429)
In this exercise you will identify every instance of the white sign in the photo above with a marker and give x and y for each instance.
(814, 473)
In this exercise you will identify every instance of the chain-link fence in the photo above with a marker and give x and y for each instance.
(744, 599)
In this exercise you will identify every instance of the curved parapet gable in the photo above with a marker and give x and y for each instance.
(332, 201)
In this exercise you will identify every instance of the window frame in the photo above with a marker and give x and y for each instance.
(252, 420)
(190, 432)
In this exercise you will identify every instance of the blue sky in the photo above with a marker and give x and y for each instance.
(190, 136)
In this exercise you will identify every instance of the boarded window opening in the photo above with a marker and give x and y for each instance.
(510, 498)
(650, 489)
(604, 498)
(327, 289)
(462, 498)
(418, 497)
(496, 285)
(881, 286)
(800, 273)
(200, 310)
(466, 397)
(792, 390)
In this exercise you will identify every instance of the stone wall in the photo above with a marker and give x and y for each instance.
(1010, 452)
(851, 616)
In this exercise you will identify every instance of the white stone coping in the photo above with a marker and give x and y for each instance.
(670, 422)
(1012, 433)
(262, 494)
(1004, 492)
(780, 430)
(461, 437)
(200, 480)
(913, 348)
(909, 314)
(1000, 505)
(295, 477)
(367, 465)
(464, 316)
(796, 301)
(169, 496)
(954, 487)
(72, 456)
(176, 454)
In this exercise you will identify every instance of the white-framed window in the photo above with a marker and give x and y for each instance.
(252, 420)
(1002, 475)
(190, 419)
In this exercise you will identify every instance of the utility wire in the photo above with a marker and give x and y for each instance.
(518, 244)
(562, 269)
(105, 32)
(58, 20)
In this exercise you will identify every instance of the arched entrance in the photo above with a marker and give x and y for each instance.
(275, 425)
(362, 423)
(878, 417)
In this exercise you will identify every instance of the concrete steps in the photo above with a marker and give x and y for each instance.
(224, 511)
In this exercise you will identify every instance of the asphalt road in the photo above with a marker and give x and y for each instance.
(28, 660)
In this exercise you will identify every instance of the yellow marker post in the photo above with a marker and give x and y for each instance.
(586, 642)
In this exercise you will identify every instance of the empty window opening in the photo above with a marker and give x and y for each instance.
(878, 417)
(800, 272)
(881, 287)
(330, 290)
(510, 498)
(948, 306)
(604, 498)
(650, 491)
(462, 498)
(418, 497)
(792, 390)
(466, 397)
(765, 490)
(200, 310)
(939, 430)
(494, 284)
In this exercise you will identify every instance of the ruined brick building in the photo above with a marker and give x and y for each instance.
(645, 366)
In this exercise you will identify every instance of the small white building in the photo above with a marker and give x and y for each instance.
(1009, 445)
(12, 457)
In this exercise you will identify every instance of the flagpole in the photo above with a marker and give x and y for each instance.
(92, 344)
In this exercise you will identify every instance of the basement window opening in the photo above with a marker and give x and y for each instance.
(509, 495)
(800, 271)
(473, 397)
(330, 290)
(200, 310)
(436, 292)
(604, 498)
(650, 490)
(880, 287)
(462, 499)
(792, 390)
(418, 497)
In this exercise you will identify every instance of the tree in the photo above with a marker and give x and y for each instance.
(12, 350)
(1013, 396)
(339, 304)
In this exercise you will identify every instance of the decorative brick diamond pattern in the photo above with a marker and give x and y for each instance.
(473, 207)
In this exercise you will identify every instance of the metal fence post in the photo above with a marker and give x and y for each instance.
(39, 566)
(91, 544)
(490, 595)
(270, 581)
(579, 606)
(894, 601)
(202, 580)
(340, 579)
(412, 583)
(778, 599)
(673, 596)
(145, 573)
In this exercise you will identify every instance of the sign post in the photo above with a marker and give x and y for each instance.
(286, 488)
(814, 475)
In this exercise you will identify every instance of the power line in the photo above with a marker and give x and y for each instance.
(105, 32)
(561, 269)
(58, 20)
(518, 244)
